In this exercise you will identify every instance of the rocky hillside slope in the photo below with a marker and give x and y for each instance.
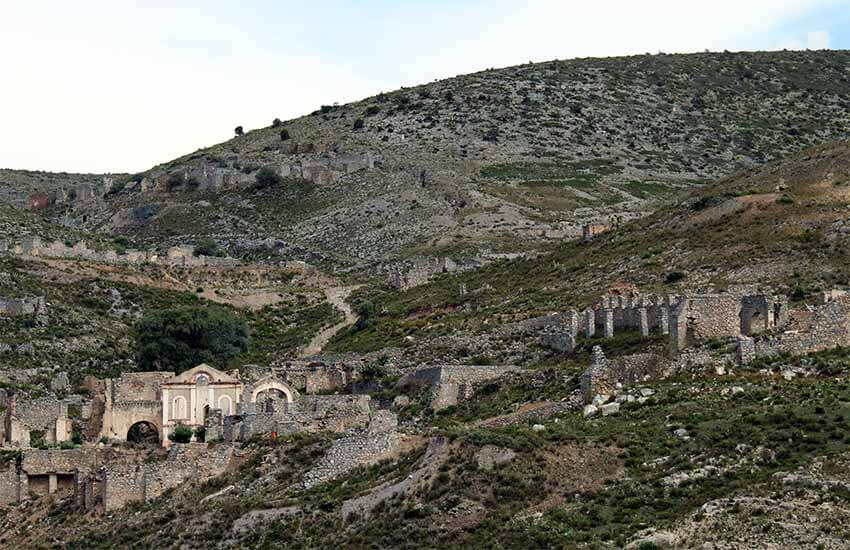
(783, 226)
(503, 160)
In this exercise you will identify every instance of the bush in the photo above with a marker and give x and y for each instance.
(276, 122)
(674, 276)
(373, 110)
(284, 135)
(266, 177)
(181, 434)
(239, 131)
(358, 124)
(201, 434)
(180, 338)
(208, 247)
(175, 180)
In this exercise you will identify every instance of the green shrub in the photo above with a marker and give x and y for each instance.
(180, 338)
(358, 124)
(284, 135)
(276, 123)
(239, 131)
(266, 177)
(373, 110)
(208, 247)
(181, 434)
(674, 276)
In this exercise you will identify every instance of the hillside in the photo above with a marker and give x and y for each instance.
(782, 226)
(507, 160)
(475, 409)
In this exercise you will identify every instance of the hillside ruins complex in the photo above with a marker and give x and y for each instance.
(759, 325)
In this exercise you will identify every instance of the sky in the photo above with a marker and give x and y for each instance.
(120, 86)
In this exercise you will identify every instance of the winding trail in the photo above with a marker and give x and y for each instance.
(336, 296)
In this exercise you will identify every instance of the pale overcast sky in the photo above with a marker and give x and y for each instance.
(119, 86)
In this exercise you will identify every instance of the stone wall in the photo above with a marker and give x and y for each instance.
(336, 413)
(175, 256)
(419, 271)
(825, 326)
(47, 415)
(604, 375)
(14, 307)
(591, 230)
(688, 320)
(124, 483)
(451, 384)
(358, 449)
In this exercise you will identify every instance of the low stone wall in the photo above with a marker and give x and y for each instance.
(175, 256)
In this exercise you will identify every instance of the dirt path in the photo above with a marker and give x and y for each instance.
(336, 296)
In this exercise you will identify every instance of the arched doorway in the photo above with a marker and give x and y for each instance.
(143, 432)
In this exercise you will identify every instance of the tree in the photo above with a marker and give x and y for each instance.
(276, 122)
(181, 434)
(239, 131)
(179, 338)
(208, 247)
(267, 177)
(284, 134)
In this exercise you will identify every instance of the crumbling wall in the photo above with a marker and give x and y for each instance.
(360, 448)
(451, 384)
(125, 483)
(310, 413)
(603, 375)
(419, 271)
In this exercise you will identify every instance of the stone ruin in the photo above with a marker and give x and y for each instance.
(419, 271)
(16, 307)
(451, 384)
(146, 407)
(687, 320)
(33, 246)
(590, 230)
(761, 325)
(321, 164)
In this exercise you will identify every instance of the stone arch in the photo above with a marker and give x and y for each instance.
(273, 385)
(225, 404)
(143, 432)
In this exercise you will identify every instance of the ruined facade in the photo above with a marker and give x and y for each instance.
(687, 320)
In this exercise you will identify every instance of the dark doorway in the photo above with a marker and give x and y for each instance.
(144, 433)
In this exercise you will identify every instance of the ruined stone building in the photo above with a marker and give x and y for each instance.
(688, 320)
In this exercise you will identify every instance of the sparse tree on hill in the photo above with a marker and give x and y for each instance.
(239, 131)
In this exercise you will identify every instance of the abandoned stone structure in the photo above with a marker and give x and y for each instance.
(453, 383)
(590, 230)
(321, 163)
(221, 408)
(31, 245)
(13, 307)
(688, 319)
(419, 271)
(603, 375)
(811, 329)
